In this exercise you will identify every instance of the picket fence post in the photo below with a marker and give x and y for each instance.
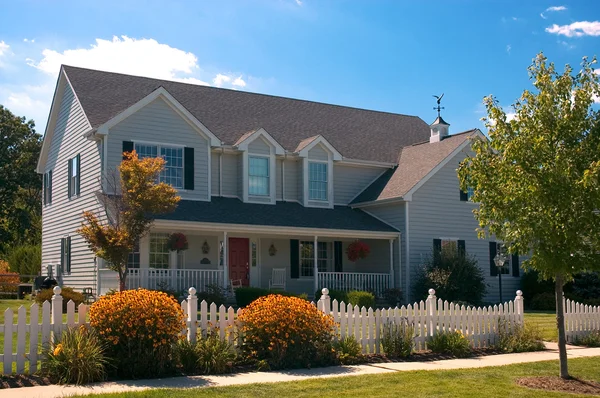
(57, 310)
(192, 314)
(519, 307)
(324, 303)
(431, 311)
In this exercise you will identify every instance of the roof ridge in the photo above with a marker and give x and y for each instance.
(448, 136)
(246, 92)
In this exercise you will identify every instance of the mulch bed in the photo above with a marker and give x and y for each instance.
(17, 381)
(555, 383)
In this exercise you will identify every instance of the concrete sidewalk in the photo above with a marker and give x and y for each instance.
(272, 377)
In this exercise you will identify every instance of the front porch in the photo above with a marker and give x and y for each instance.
(255, 259)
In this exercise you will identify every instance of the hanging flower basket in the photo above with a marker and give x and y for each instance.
(357, 250)
(177, 242)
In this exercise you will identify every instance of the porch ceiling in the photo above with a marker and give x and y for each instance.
(282, 214)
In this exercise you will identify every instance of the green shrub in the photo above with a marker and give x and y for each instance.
(454, 276)
(67, 294)
(361, 298)
(78, 357)
(532, 285)
(213, 294)
(451, 343)
(246, 295)
(589, 340)
(392, 296)
(398, 339)
(26, 259)
(215, 355)
(519, 338)
(543, 302)
(186, 356)
(585, 286)
(338, 295)
(349, 351)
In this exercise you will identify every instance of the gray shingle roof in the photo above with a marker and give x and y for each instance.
(282, 214)
(355, 133)
(416, 161)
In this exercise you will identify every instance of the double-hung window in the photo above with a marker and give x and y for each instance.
(133, 259)
(317, 181)
(48, 188)
(65, 255)
(307, 257)
(172, 173)
(74, 176)
(159, 251)
(449, 246)
(258, 176)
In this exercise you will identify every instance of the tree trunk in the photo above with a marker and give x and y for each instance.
(560, 322)
(122, 279)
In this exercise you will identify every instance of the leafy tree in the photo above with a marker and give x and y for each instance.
(537, 178)
(26, 259)
(20, 185)
(129, 214)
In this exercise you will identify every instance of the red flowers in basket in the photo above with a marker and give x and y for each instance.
(177, 242)
(357, 249)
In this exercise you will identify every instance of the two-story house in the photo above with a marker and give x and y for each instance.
(273, 189)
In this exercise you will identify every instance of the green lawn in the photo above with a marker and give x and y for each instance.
(545, 321)
(491, 382)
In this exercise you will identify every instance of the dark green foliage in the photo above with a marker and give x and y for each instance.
(67, 294)
(584, 288)
(543, 302)
(398, 339)
(246, 295)
(521, 338)
(393, 296)
(454, 276)
(25, 259)
(338, 295)
(361, 298)
(589, 340)
(532, 285)
(450, 343)
(78, 357)
(186, 356)
(349, 351)
(213, 294)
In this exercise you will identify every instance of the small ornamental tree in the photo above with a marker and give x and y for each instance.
(129, 213)
(537, 179)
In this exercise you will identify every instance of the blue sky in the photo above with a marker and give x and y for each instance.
(383, 55)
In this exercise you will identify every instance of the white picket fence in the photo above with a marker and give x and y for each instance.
(580, 320)
(428, 317)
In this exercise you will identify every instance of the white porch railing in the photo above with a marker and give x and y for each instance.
(178, 280)
(346, 281)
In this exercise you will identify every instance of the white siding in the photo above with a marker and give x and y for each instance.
(157, 122)
(259, 147)
(349, 181)
(231, 181)
(318, 153)
(63, 216)
(436, 211)
(214, 170)
(292, 180)
(279, 181)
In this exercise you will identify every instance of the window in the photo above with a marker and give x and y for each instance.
(307, 259)
(159, 251)
(466, 196)
(65, 255)
(172, 174)
(254, 254)
(449, 246)
(47, 188)
(74, 174)
(133, 259)
(317, 181)
(258, 176)
(221, 253)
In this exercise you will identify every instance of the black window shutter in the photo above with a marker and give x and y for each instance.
(69, 172)
(493, 251)
(50, 187)
(68, 244)
(437, 246)
(462, 249)
(45, 195)
(188, 170)
(295, 258)
(463, 196)
(515, 264)
(62, 257)
(338, 257)
(127, 147)
(77, 188)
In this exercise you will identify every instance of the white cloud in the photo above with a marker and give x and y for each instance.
(299, 2)
(220, 79)
(556, 8)
(4, 50)
(26, 40)
(576, 29)
(239, 82)
(508, 48)
(510, 116)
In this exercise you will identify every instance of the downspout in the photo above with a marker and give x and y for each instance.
(283, 179)
(221, 173)
(407, 253)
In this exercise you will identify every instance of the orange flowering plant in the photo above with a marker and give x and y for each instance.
(286, 332)
(141, 327)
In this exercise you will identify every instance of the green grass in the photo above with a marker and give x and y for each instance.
(491, 382)
(545, 321)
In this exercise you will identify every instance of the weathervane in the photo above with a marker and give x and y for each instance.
(438, 107)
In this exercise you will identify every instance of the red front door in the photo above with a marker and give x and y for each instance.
(239, 258)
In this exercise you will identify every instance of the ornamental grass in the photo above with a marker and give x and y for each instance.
(286, 332)
(141, 328)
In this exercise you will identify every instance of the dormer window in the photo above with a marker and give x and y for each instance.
(317, 181)
(258, 176)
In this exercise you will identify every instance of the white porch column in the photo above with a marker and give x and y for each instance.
(391, 263)
(316, 264)
(225, 261)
